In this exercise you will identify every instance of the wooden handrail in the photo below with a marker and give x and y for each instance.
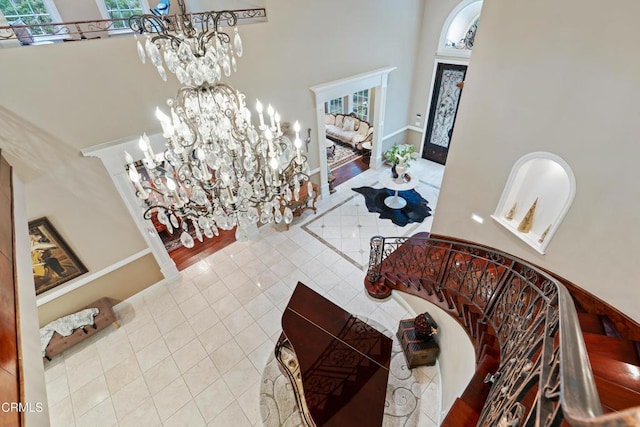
(11, 391)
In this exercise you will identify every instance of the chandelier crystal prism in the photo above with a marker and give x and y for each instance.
(218, 170)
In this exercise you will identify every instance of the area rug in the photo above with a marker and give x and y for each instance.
(343, 155)
(402, 405)
(416, 209)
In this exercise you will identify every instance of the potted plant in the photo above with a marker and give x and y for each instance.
(400, 155)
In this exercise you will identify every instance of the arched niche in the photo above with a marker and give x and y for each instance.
(546, 180)
(459, 29)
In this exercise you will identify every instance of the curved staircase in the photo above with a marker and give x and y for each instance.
(581, 352)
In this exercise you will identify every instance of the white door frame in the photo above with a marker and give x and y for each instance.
(375, 80)
(112, 156)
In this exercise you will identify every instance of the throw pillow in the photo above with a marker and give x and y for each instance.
(349, 124)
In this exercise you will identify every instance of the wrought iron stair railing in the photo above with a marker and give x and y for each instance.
(90, 29)
(544, 377)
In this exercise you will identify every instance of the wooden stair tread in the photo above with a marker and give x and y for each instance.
(609, 327)
(590, 323)
(611, 347)
(460, 415)
(476, 392)
(615, 396)
(621, 373)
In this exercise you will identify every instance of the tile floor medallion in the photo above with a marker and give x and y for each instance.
(191, 353)
(404, 405)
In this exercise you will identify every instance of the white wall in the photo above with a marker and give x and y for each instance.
(539, 82)
(306, 43)
(433, 19)
(207, 5)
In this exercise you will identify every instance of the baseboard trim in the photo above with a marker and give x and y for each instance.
(88, 278)
(404, 129)
(392, 134)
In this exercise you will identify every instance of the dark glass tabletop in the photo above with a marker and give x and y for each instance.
(344, 362)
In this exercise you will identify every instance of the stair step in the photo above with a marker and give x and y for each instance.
(590, 323)
(476, 392)
(611, 347)
(487, 350)
(609, 327)
(460, 415)
(615, 396)
(621, 373)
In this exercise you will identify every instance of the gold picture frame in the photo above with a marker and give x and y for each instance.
(53, 262)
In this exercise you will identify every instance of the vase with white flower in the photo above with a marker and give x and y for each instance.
(400, 156)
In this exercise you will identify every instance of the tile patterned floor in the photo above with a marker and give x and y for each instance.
(191, 353)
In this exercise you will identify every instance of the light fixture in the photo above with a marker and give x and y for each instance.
(218, 171)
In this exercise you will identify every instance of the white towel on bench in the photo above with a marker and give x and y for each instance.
(66, 325)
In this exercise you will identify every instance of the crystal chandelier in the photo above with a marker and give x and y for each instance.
(218, 170)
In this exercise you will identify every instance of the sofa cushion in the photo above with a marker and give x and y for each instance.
(331, 130)
(329, 119)
(349, 124)
(339, 119)
(358, 138)
(363, 129)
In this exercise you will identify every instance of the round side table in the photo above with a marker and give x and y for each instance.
(395, 201)
(331, 147)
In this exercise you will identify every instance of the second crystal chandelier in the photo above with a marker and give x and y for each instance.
(218, 170)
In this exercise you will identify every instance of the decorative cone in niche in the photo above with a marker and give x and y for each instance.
(544, 234)
(511, 212)
(527, 222)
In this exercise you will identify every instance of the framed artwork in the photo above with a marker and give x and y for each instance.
(54, 263)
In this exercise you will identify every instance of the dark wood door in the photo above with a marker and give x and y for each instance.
(442, 114)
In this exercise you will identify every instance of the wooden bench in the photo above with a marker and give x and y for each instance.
(104, 318)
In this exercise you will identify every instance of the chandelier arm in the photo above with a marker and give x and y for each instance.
(156, 25)
(184, 177)
(187, 26)
(154, 189)
(148, 213)
(232, 18)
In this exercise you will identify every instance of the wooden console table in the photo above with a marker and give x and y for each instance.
(338, 365)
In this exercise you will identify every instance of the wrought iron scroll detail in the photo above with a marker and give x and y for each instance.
(523, 305)
(467, 41)
(90, 29)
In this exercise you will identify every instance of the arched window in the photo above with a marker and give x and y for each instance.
(459, 30)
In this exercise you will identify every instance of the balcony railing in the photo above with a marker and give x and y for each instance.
(85, 30)
(544, 375)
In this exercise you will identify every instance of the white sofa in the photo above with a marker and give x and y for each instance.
(348, 129)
